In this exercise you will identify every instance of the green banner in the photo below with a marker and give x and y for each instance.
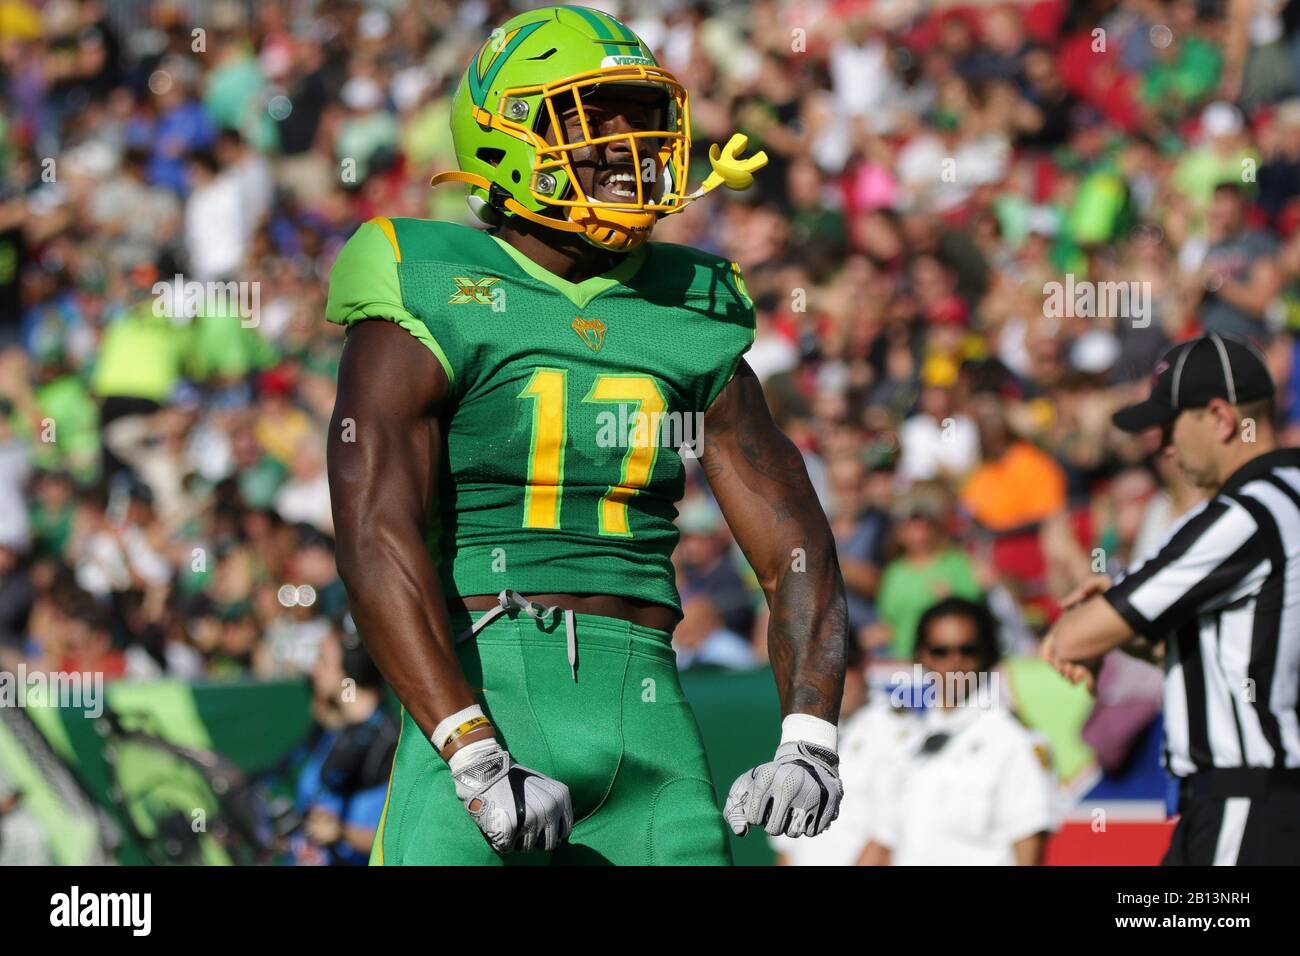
(254, 725)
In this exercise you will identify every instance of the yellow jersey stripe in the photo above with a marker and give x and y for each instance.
(386, 227)
(383, 814)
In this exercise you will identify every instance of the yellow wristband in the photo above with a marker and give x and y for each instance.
(455, 725)
(474, 723)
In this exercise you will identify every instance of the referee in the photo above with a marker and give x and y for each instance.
(1223, 595)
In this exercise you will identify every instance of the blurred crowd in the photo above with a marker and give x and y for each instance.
(935, 167)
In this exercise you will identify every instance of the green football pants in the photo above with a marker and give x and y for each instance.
(622, 738)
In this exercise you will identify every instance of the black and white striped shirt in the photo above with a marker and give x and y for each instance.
(1223, 592)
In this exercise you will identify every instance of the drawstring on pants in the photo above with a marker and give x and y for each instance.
(508, 601)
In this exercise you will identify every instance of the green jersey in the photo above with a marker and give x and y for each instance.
(572, 404)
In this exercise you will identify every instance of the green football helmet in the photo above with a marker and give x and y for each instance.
(525, 75)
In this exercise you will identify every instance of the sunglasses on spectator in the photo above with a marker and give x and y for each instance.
(943, 652)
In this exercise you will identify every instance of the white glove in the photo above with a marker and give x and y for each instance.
(516, 808)
(797, 794)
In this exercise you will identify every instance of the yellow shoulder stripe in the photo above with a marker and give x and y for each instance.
(386, 227)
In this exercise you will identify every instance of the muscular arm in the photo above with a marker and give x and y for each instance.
(384, 451)
(761, 484)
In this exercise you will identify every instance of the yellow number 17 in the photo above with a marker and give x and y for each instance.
(543, 495)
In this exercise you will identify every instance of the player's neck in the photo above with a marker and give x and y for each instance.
(564, 254)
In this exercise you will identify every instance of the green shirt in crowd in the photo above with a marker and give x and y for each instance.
(908, 589)
(140, 356)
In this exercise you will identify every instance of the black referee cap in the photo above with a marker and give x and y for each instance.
(1192, 373)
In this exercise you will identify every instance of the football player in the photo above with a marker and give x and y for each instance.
(504, 479)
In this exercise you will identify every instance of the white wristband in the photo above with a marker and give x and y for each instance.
(810, 729)
(448, 724)
(467, 753)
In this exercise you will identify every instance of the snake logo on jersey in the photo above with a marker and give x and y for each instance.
(591, 331)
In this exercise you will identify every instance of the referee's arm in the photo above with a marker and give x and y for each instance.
(1209, 554)
(1088, 632)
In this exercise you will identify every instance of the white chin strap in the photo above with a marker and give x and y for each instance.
(482, 211)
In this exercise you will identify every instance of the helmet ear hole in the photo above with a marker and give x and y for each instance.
(514, 175)
(490, 155)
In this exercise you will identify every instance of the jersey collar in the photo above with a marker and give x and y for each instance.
(1260, 466)
(579, 293)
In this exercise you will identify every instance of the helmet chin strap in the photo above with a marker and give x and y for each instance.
(615, 230)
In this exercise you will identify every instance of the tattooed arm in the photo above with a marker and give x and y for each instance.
(759, 479)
